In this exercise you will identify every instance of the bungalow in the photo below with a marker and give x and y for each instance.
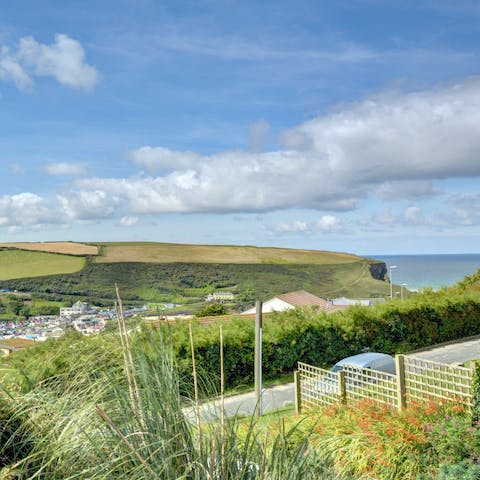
(288, 301)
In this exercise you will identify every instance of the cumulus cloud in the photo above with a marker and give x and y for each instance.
(87, 206)
(27, 210)
(329, 223)
(63, 60)
(390, 145)
(394, 137)
(64, 168)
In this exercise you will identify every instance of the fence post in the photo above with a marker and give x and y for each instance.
(342, 386)
(401, 392)
(298, 393)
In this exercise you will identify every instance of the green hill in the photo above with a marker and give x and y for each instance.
(184, 274)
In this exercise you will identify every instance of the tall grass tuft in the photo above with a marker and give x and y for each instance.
(132, 424)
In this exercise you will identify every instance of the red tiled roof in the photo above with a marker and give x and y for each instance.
(306, 299)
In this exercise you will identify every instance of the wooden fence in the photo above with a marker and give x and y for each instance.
(416, 379)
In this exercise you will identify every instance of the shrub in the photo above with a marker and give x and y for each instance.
(375, 441)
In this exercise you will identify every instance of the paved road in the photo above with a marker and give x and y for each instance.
(454, 353)
(244, 403)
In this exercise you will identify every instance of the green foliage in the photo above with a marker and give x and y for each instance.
(367, 440)
(212, 310)
(455, 439)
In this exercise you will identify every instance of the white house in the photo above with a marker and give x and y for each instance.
(288, 301)
(219, 296)
(78, 308)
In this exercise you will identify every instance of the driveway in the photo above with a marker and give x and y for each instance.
(453, 353)
(244, 403)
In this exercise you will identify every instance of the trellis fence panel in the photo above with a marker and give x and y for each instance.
(416, 380)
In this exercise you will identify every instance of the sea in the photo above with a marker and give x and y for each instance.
(433, 271)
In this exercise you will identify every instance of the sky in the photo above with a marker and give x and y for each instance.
(349, 126)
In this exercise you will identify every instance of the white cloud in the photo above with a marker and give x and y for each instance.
(63, 60)
(414, 216)
(129, 221)
(11, 70)
(295, 227)
(27, 210)
(389, 145)
(87, 205)
(329, 223)
(64, 168)
(154, 159)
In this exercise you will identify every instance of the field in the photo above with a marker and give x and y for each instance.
(67, 248)
(172, 253)
(15, 264)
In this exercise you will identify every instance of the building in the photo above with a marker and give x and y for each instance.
(219, 297)
(288, 301)
(78, 308)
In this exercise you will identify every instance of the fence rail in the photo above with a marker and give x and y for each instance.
(416, 379)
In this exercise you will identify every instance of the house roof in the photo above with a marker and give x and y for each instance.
(306, 299)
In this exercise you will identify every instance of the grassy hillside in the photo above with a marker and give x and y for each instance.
(23, 263)
(189, 282)
(150, 252)
(184, 274)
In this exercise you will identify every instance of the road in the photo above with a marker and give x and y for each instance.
(454, 353)
(244, 403)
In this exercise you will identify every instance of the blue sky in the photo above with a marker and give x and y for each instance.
(350, 125)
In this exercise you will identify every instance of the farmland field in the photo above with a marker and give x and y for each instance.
(67, 248)
(16, 264)
(172, 253)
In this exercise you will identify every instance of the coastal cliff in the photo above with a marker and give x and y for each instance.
(378, 270)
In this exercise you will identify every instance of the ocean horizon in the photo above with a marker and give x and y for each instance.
(430, 271)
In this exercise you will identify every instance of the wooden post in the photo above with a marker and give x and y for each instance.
(298, 392)
(401, 392)
(258, 358)
(342, 386)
